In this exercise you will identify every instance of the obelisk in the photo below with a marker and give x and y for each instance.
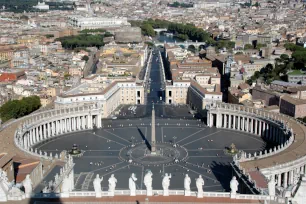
(153, 140)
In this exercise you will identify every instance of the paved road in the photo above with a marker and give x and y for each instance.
(91, 65)
(155, 85)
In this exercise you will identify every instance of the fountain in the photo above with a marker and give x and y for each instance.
(75, 151)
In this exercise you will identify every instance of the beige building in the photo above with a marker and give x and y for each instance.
(120, 60)
(51, 91)
(194, 80)
(45, 100)
(292, 106)
(108, 96)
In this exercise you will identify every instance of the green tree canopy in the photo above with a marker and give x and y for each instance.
(248, 46)
(85, 57)
(19, 108)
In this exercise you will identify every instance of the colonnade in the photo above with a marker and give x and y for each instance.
(263, 128)
(271, 126)
(288, 177)
(38, 130)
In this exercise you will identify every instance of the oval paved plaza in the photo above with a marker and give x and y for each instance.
(204, 154)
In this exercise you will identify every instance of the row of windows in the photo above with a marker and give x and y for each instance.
(84, 99)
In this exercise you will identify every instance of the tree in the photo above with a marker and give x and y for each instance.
(259, 45)
(19, 108)
(85, 57)
(148, 30)
(284, 57)
(299, 56)
(248, 46)
(257, 4)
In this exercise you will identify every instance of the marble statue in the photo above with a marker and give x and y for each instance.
(97, 185)
(132, 184)
(187, 182)
(271, 186)
(200, 184)
(46, 190)
(112, 185)
(166, 184)
(300, 195)
(4, 186)
(28, 186)
(234, 187)
(16, 193)
(148, 183)
(66, 187)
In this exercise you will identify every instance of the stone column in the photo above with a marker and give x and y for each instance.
(99, 120)
(74, 123)
(224, 120)
(45, 131)
(285, 179)
(24, 141)
(263, 129)
(239, 122)
(37, 135)
(268, 131)
(247, 124)
(64, 125)
(40, 132)
(83, 122)
(77, 123)
(53, 128)
(230, 121)
(243, 123)
(279, 180)
(256, 127)
(234, 117)
(58, 127)
(31, 137)
(291, 174)
(67, 120)
(29, 140)
(49, 129)
(260, 129)
(71, 124)
(90, 125)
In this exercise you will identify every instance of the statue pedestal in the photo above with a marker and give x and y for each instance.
(233, 195)
(166, 192)
(132, 193)
(187, 193)
(149, 192)
(65, 195)
(111, 193)
(3, 198)
(98, 195)
(200, 194)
